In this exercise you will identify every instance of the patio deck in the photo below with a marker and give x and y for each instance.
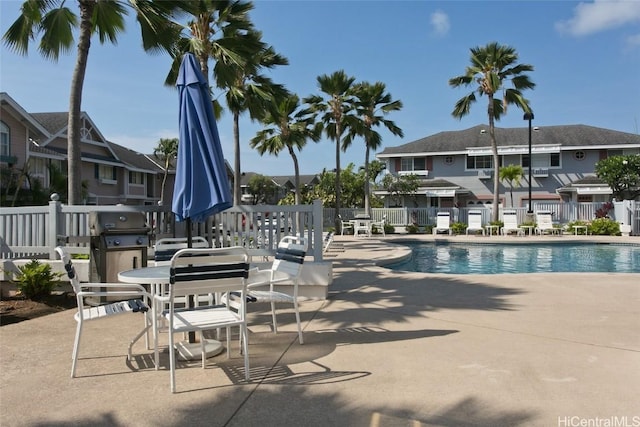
(385, 349)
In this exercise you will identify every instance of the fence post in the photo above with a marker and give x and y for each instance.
(55, 219)
(317, 230)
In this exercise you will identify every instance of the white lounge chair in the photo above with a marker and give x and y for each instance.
(510, 221)
(544, 223)
(443, 223)
(475, 222)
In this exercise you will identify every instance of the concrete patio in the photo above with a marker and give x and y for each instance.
(385, 349)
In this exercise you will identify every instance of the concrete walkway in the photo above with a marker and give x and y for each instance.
(385, 349)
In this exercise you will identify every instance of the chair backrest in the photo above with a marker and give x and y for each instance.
(166, 248)
(443, 219)
(544, 219)
(197, 271)
(69, 268)
(290, 255)
(475, 219)
(510, 219)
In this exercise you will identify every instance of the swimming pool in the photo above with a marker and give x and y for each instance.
(481, 258)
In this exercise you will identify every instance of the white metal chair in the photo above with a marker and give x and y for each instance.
(135, 299)
(379, 225)
(443, 223)
(166, 247)
(285, 270)
(345, 225)
(218, 271)
(475, 222)
(510, 223)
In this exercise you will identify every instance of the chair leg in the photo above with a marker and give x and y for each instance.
(172, 363)
(295, 306)
(273, 317)
(76, 347)
(245, 350)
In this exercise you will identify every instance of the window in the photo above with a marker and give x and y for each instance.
(105, 173)
(481, 162)
(136, 178)
(5, 141)
(38, 166)
(413, 164)
(579, 155)
(448, 160)
(541, 160)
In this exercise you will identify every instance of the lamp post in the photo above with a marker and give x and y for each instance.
(529, 116)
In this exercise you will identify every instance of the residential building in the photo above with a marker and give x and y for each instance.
(456, 167)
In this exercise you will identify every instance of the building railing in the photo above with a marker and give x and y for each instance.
(34, 231)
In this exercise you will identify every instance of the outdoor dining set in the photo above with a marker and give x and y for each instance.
(192, 288)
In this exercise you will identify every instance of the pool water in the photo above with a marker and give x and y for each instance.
(466, 258)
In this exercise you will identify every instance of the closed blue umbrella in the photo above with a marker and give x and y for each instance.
(201, 187)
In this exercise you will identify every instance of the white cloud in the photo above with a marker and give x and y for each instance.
(600, 15)
(440, 22)
(633, 41)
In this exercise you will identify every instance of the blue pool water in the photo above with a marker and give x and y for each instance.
(469, 258)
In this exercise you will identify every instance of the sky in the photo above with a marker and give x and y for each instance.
(586, 59)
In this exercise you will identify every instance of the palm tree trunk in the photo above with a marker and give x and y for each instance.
(336, 220)
(236, 165)
(297, 197)
(74, 154)
(496, 164)
(367, 208)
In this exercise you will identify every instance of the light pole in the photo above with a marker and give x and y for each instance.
(529, 116)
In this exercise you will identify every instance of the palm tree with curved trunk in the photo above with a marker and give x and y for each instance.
(372, 104)
(166, 151)
(492, 67)
(248, 90)
(55, 24)
(337, 108)
(288, 127)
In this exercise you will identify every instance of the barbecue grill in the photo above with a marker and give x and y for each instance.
(119, 241)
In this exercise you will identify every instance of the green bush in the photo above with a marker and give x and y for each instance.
(459, 228)
(569, 226)
(35, 280)
(412, 229)
(604, 227)
(389, 229)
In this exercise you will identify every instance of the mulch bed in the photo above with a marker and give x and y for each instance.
(16, 309)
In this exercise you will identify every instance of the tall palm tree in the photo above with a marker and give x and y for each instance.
(492, 67)
(288, 126)
(372, 104)
(337, 116)
(56, 24)
(511, 174)
(166, 151)
(247, 89)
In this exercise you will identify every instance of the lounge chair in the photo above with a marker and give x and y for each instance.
(510, 221)
(443, 223)
(544, 223)
(475, 222)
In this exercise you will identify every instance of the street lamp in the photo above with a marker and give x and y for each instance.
(529, 116)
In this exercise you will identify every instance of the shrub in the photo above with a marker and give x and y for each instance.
(35, 280)
(412, 229)
(459, 228)
(570, 225)
(389, 229)
(604, 227)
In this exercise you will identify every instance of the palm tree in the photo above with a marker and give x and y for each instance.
(249, 90)
(492, 67)
(288, 127)
(337, 117)
(56, 23)
(166, 151)
(512, 174)
(372, 104)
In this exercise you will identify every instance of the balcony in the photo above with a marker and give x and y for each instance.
(419, 173)
(540, 172)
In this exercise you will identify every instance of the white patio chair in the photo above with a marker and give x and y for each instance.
(475, 222)
(362, 227)
(135, 299)
(544, 223)
(285, 270)
(165, 248)
(206, 271)
(510, 224)
(379, 225)
(443, 223)
(345, 225)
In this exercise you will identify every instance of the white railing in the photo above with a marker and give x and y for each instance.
(34, 232)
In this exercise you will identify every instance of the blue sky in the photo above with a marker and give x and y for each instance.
(586, 57)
